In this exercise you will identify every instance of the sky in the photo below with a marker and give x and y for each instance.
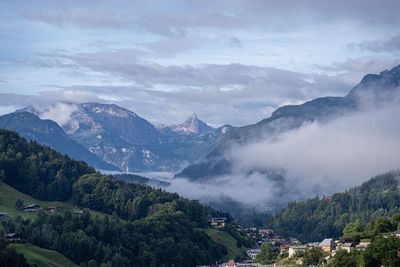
(229, 61)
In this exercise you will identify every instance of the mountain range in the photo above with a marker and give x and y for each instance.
(373, 90)
(110, 137)
(113, 138)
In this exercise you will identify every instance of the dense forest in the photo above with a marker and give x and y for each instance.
(145, 226)
(318, 218)
(37, 170)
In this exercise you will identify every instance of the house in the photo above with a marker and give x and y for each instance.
(218, 222)
(313, 244)
(53, 209)
(277, 240)
(346, 246)
(397, 233)
(12, 237)
(230, 263)
(4, 216)
(284, 248)
(77, 212)
(266, 232)
(327, 245)
(31, 208)
(364, 243)
(252, 253)
(296, 251)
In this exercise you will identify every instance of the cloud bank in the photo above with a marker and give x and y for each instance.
(315, 159)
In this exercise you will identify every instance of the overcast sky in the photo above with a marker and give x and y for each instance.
(228, 61)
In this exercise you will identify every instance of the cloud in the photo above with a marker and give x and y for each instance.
(7, 109)
(332, 156)
(127, 66)
(178, 16)
(59, 112)
(133, 16)
(391, 45)
(234, 93)
(319, 158)
(250, 191)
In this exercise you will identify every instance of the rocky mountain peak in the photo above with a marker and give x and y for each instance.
(193, 125)
(380, 86)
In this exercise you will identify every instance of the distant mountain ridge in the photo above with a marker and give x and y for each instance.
(373, 87)
(49, 133)
(123, 139)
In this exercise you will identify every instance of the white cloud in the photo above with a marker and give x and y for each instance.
(7, 109)
(59, 112)
(315, 159)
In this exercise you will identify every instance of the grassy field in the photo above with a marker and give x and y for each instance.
(43, 257)
(227, 240)
(8, 196)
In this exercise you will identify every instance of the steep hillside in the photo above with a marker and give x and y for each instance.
(42, 257)
(317, 218)
(158, 228)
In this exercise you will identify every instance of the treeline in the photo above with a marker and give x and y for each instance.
(135, 201)
(318, 218)
(146, 227)
(165, 238)
(37, 170)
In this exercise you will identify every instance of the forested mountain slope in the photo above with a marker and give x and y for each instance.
(318, 218)
(145, 226)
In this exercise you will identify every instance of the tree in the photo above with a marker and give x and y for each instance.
(313, 256)
(344, 259)
(10, 257)
(19, 204)
(267, 254)
(383, 251)
(380, 225)
(353, 231)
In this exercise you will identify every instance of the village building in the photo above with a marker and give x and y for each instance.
(296, 251)
(218, 222)
(77, 212)
(31, 208)
(346, 246)
(53, 209)
(284, 248)
(277, 240)
(364, 243)
(266, 232)
(397, 233)
(327, 245)
(12, 237)
(252, 253)
(313, 244)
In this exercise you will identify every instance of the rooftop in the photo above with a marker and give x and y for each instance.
(326, 242)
